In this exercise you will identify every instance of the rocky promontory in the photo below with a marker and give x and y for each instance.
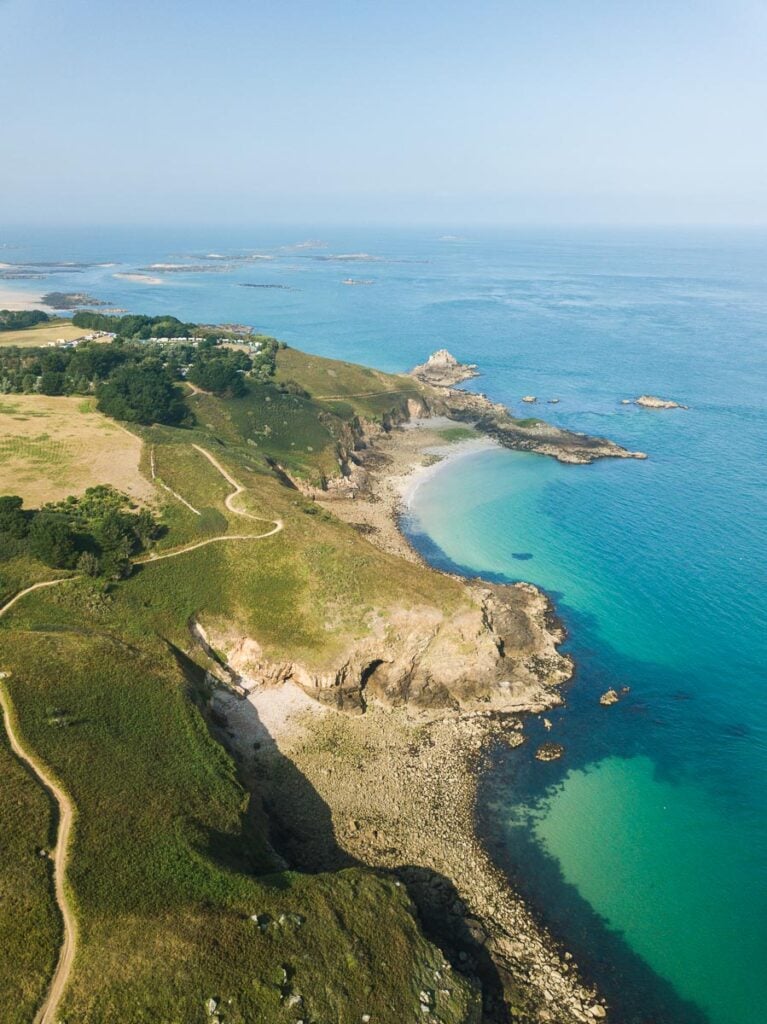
(528, 435)
(497, 652)
(443, 370)
(374, 759)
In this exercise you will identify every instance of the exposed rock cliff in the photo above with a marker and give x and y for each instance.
(498, 652)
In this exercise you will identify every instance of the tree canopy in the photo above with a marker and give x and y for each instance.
(96, 533)
(18, 320)
(141, 393)
(220, 371)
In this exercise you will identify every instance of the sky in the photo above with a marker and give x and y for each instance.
(350, 111)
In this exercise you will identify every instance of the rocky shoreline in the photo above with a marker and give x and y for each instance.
(395, 788)
(442, 371)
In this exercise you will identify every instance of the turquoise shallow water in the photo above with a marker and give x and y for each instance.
(648, 841)
(646, 847)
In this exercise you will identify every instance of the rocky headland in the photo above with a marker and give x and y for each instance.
(494, 420)
(530, 435)
(374, 758)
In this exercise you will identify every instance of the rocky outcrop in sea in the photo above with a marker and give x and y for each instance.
(443, 370)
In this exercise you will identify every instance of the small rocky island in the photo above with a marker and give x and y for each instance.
(443, 370)
(70, 300)
(653, 402)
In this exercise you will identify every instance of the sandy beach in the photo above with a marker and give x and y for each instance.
(140, 278)
(15, 299)
(395, 467)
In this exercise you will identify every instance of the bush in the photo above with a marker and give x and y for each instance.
(220, 371)
(97, 532)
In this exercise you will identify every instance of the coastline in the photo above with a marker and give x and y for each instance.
(396, 465)
(396, 788)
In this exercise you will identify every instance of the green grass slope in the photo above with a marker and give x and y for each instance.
(29, 923)
(169, 863)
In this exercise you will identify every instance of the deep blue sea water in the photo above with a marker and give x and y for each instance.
(645, 848)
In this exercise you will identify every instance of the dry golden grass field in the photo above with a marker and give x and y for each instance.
(53, 447)
(32, 337)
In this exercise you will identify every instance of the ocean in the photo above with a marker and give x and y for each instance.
(645, 847)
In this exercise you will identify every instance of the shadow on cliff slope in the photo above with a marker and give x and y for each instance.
(301, 833)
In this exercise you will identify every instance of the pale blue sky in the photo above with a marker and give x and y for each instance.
(553, 111)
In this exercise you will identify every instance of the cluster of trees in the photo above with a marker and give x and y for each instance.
(131, 382)
(56, 371)
(134, 326)
(265, 360)
(142, 392)
(220, 370)
(96, 533)
(134, 378)
(12, 320)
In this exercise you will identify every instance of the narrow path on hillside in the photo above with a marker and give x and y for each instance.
(47, 1012)
(153, 556)
(28, 590)
(170, 490)
(366, 394)
(238, 489)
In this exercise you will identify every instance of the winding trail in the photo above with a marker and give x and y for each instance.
(367, 394)
(28, 590)
(279, 525)
(154, 557)
(170, 490)
(47, 1012)
(238, 489)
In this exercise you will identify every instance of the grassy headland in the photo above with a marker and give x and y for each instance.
(185, 910)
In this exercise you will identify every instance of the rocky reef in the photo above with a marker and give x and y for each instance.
(653, 402)
(530, 435)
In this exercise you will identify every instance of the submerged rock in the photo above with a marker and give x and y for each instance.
(549, 752)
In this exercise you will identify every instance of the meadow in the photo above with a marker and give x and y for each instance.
(51, 447)
(33, 337)
(29, 920)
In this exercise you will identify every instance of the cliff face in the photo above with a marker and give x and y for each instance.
(497, 653)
